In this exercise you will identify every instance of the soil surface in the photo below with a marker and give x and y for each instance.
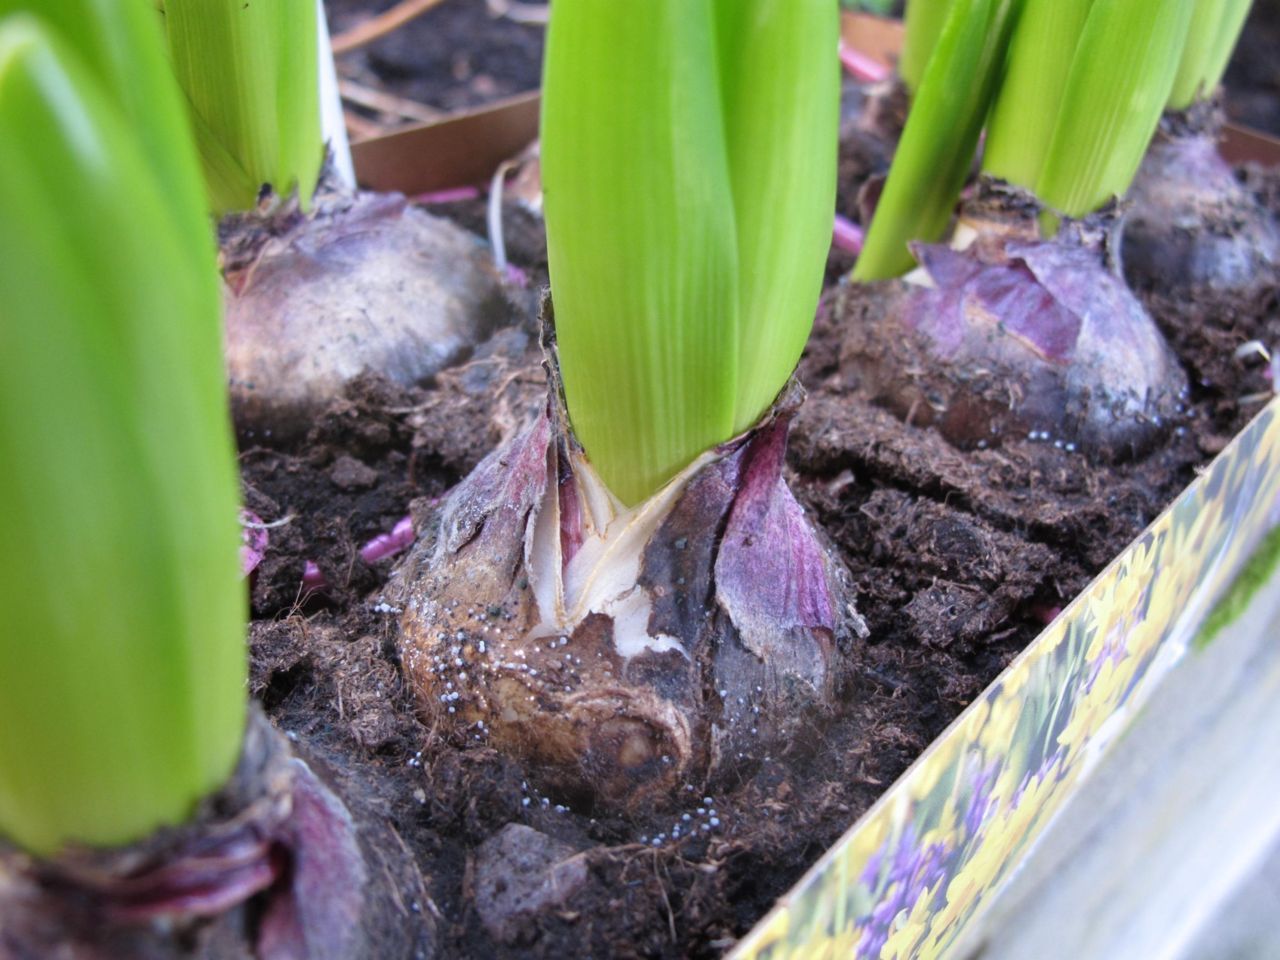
(959, 559)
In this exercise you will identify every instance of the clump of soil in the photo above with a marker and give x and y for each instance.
(372, 454)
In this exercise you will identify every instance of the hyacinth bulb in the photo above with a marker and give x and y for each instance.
(1015, 335)
(364, 282)
(623, 652)
(1191, 222)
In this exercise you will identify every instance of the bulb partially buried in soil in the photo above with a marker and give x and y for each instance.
(1016, 335)
(623, 653)
(276, 865)
(365, 282)
(1192, 223)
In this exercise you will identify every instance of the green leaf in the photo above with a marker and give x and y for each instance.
(118, 42)
(689, 173)
(640, 235)
(1022, 122)
(924, 21)
(250, 73)
(780, 87)
(937, 146)
(1202, 35)
(1119, 82)
(1231, 22)
(122, 662)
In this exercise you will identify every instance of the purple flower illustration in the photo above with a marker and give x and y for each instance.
(871, 872)
(981, 803)
(913, 871)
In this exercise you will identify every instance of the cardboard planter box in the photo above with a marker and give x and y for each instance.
(916, 871)
(916, 875)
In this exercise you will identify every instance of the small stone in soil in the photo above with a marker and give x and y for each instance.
(520, 873)
(348, 473)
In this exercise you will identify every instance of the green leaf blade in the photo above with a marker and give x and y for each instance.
(923, 21)
(1041, 51)
(1120, 80)
(937, 146)
(250, 74)
(118, 43)
(1189, 81)
(122, 663)
(1230, 24)
(780, 85)
(640, 233)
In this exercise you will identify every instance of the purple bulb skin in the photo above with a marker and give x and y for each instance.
(281, 862)
(1191, 224)
(1013, 336)
(362, 283)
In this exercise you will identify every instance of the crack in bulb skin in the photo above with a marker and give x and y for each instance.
(621, 653)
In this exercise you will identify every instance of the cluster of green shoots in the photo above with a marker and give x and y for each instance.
(689, 151)
(1068, 91)
(689, 219)
(689, 171)
(123, 653)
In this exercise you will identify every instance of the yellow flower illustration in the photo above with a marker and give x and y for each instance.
(1099, 703)
(992, 858)
(909, 929)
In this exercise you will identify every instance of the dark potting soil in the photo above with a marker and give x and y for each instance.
(462, 53)
(959, 559)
